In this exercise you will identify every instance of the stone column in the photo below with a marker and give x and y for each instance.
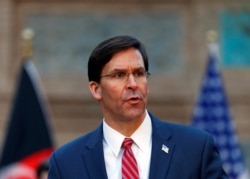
(6, 38)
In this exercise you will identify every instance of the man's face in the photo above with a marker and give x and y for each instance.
(124, 99)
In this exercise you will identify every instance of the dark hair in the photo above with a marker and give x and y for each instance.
(103, 53)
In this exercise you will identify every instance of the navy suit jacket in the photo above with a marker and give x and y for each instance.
(192, 155)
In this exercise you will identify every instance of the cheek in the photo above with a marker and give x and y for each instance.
(112, 92)
(145, 90)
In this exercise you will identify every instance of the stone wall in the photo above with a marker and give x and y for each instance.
(173, 89)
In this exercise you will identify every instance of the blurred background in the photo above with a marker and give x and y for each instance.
(174, 33)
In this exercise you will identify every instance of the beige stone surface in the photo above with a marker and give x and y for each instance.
(74, 112)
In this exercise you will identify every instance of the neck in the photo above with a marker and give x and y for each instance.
(125, 127)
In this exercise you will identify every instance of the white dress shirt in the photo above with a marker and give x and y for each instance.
(141, 148)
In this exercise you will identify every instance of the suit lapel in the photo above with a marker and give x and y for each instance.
(162, 150)
(93, 156)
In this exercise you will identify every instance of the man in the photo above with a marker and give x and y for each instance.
(118, 72)
(42, 170)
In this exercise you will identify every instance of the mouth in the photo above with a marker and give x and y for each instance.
(134, 100)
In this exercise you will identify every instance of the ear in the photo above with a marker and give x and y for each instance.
(95, 90)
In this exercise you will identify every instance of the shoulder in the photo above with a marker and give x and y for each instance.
(186, 130)
(195, 145)
(81, 143)
(184, 137)
(179, 132)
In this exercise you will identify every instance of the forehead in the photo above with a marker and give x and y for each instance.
(127, 59)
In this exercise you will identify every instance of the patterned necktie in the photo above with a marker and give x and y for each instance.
(129, 164)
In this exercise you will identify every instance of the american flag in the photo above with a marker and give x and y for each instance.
(212, 113)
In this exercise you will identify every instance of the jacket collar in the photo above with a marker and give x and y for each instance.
(93, 156)
(162, 149)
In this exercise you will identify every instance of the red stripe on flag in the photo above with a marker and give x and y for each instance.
(36, 158)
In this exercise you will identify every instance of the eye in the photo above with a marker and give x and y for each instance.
(139, 73)
(119, 75)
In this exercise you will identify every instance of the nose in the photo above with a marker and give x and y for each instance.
(131, 81)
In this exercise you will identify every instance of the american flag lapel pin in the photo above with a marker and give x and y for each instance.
(164, 148)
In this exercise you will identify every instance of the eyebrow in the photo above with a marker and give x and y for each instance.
(119, 69)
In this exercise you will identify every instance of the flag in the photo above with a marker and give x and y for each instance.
(212, 113)
(28, 140)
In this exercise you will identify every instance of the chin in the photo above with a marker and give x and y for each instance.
(135, 113)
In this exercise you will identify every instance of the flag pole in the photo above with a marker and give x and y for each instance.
(27, 36)
(211, 36)
(212, 44)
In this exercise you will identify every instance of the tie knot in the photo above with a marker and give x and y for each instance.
(127, 142)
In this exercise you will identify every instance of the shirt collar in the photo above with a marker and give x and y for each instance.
(141, 137)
